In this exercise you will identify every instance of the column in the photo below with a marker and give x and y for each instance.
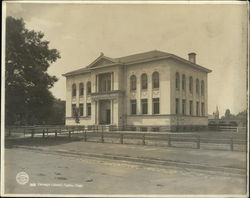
(97, 112)
(97, 83)
(112, 81)
(111, 112)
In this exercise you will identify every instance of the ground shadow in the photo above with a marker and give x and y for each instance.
(38, 142)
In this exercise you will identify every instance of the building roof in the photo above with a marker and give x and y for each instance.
(142, 56)
(133, 59)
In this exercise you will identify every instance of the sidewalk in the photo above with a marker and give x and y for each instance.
(226, 161)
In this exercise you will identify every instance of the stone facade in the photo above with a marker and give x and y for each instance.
(152, 89)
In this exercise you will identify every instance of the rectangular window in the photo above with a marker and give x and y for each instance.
(133, 107)
(177, 106)
(109, 85)
(73, 109)
(202, 109)
(81, 109)
(88, 109)
(190, 107)
(197, 108)
(156, 105)
(104, 82)
(184, 107)
(144, 105)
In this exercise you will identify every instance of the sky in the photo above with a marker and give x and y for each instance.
(217, 33)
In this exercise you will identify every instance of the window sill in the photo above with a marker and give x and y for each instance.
(156, 89)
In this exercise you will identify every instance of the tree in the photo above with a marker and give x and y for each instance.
(28, 98)
(58, 113)
(76, 115)
(227, 114)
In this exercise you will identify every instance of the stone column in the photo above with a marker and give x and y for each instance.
(111, 112)
(97, 83)
(112, 81)
(97, 112)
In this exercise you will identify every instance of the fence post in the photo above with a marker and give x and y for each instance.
(231, 144)
(121, 140)
(169, 140)
(198, 142)
(85, 135)
(32, 133)
(102, 137)
(69, 133)
(47, 130)
(56, 134)
(43, 133)
(143, 139)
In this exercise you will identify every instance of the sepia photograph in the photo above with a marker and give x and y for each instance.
(125, 99)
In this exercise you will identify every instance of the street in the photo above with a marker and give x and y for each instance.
(52, 173)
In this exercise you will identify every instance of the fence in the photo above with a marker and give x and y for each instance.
(132, 128)
(100, 134)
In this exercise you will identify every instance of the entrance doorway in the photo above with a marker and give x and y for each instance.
(108, 116)
(104, 112)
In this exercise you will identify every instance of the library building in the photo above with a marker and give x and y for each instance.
(150, 91)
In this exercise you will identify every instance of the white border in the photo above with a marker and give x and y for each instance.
(3, 98)
(110, 2)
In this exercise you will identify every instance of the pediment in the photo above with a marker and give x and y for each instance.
(101, 62)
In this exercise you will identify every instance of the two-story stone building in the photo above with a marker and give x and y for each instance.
(151, 89)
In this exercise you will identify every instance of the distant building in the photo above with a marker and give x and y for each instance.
(152, 89)
(215, 115)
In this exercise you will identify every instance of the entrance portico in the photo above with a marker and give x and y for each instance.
(107, 109)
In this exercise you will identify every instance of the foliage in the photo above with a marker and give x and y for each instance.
(76, 115)
(57, 115)
(240, 116)
(28, 99)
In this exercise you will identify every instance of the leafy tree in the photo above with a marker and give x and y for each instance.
(76, 115)
(227, 114)
(58, 113)
(28, 99)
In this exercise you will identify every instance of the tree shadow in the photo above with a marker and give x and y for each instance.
(39, 142)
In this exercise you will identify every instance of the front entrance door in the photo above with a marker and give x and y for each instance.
(104, 112)
(108, 115)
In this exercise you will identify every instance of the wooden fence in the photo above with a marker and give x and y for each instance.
(101, 135)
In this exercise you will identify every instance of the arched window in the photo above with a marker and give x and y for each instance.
(197, 86)
(144, 81)
(74, 90)
(183, 82)
(89, 87)
(190, 84)
(202, 87)
(177, 81)
(81, 89)
(156, 80)
(133, 82)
